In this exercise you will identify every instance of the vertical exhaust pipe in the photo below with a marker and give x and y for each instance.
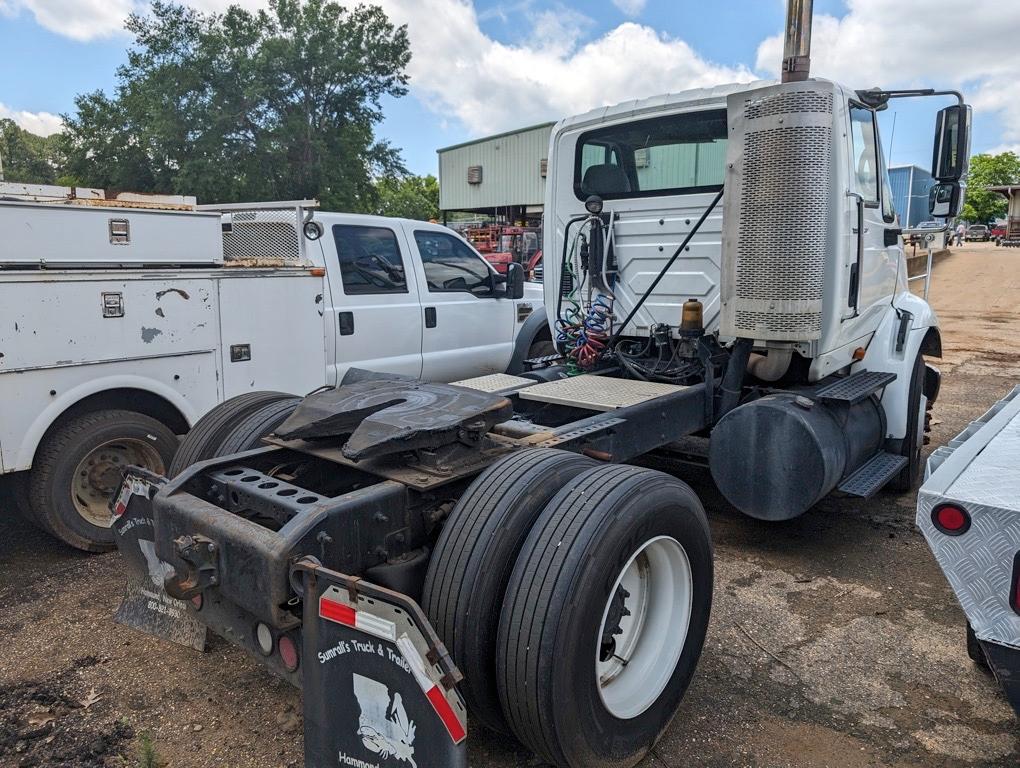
(797, 45)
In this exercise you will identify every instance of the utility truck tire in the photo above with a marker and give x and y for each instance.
(248, 433)
(542, 348)
(469, 570)
(78, 467)
(605, 616)
(975, 651)
(209, 431)
(20, 497)
(913, 441)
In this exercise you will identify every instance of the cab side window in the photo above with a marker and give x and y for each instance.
(451, 265)
(370, 260)
(865, 152)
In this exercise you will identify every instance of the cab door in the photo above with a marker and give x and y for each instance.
(468, 325)
(376, 309)
(873, 279)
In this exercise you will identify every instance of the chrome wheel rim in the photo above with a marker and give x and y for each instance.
(644, 627)
(98, 475)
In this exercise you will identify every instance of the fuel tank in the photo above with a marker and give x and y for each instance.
(775, 457)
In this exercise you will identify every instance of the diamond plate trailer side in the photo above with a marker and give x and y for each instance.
(977, 473)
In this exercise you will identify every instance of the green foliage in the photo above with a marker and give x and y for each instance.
(409, 197)
(27, 158)
(147, 755)
(980, 205)
(246, 105)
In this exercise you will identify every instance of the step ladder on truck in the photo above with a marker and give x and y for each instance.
(723, 263)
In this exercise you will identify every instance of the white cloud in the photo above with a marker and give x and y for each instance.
(630, 7)
(890, 43)
(493, 86)
(39, 123)
(77, 19)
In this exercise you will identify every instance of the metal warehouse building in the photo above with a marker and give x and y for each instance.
(501, 176)
(910, 185)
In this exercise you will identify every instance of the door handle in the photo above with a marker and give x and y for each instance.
(430, 317)
(346, 323)
(891, 236)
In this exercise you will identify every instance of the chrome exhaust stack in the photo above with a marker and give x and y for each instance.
(797, 45)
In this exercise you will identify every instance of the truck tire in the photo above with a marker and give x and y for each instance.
(78, 468)
(248, 433)
(605, 616)
(975, 651)
(542, 348)
(913, 441)
(474, 556)
(19, 495)
(209, 431)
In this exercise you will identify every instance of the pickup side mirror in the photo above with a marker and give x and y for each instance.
(514, 281)
(951, 151)
(945, 199)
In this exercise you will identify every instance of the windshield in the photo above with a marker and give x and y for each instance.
(676, 154)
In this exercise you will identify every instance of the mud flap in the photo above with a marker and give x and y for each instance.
(379, 687)
(146, 606)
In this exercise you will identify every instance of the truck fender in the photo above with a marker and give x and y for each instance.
(64, 401)
(529, 331)
(882, 355)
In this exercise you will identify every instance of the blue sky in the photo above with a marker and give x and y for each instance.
(497, 64)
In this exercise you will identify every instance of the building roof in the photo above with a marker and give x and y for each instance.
(484, 139)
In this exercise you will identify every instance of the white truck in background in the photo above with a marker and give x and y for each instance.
(123, 321)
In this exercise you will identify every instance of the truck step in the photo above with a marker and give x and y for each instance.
(855, 387)
(871, 476)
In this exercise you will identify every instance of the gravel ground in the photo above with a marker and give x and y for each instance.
(834, 640)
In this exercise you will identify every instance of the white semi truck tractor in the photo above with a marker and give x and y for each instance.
(423, 559)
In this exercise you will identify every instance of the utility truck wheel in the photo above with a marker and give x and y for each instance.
(78, 468)
(913, 441)
(20, 497)
(248, 433)
(542, 348)
(209, 431)
(477, 548)
(605, 616)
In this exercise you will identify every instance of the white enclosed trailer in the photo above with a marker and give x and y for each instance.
(123, 321)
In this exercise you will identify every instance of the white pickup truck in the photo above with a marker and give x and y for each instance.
(123, 321)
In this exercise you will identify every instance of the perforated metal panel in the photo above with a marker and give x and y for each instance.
(777, 202)
(261, 237)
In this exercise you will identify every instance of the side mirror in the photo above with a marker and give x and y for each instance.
(514, 281)
(951, 152)
(945, 199)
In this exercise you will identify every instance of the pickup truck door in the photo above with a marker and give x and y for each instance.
(468, 326)
(375, 312)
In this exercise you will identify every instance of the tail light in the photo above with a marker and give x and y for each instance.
(264, 638)
(288, 652)
(1014, 590)
(950, 519)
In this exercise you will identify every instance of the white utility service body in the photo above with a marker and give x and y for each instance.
(164, 308)
(814, 230)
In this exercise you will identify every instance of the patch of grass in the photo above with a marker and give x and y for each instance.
(147, 755)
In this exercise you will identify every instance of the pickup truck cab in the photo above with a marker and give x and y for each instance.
(122, 322)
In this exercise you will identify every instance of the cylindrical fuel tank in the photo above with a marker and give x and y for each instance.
(775, 457)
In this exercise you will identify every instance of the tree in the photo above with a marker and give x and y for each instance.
(409, 197)
(247, 105)
(25, 157)
(980, 205)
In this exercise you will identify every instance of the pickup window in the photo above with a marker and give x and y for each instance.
(370, 260)
(451, 265)
(672, 155)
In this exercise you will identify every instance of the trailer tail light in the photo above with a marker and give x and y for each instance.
(288, 653)
(1014, 590)
(950, 519)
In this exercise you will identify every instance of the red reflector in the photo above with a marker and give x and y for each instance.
(446, 713)
(288, 653)
(342, 614)
(950, 519)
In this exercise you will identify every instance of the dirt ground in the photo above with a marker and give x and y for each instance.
(834, 641)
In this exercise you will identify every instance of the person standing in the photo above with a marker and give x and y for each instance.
(960, 232)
